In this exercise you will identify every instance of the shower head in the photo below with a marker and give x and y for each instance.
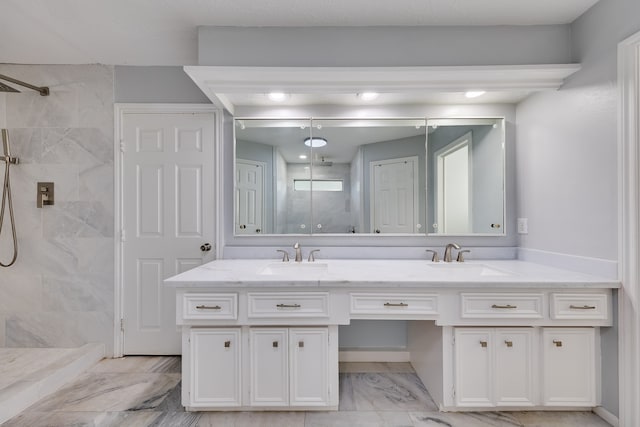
(5, 143)
(6, 147)
(5, 88)
(44, 91)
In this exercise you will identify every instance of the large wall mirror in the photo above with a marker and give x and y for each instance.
(337, 176)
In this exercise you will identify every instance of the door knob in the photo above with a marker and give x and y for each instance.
(377, 230)
(206, 247)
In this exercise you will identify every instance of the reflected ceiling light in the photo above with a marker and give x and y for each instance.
(302, 156)
(474, 93)
(315, 142)
(368, 96)
(278, 96)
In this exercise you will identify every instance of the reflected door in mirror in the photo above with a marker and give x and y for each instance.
(394, 195)
(249, 196)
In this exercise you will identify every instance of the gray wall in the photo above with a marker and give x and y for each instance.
(155, 84)
(567, 157)
(384, 46)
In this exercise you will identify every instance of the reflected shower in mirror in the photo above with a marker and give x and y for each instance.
(465, 162)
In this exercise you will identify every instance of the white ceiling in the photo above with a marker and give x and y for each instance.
(163, 32)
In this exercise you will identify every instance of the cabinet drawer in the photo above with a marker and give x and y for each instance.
(288, 305)
(580, 306)
(394, 304)
(209, 306)
(501, 306)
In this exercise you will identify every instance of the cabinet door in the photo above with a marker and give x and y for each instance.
(269, 367)
(514, 367)
(215, 367)
(309, 355)
(568, 359)
(473, 367)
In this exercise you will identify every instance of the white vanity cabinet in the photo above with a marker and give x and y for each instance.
(289, 366)
(525, 341)
(214, 367)
(494, 367)
(568, 367)
(524, 367)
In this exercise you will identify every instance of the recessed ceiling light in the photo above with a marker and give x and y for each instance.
(368, 96)
(315, 142)
(278, 96)
(474, 93)
(302, 156)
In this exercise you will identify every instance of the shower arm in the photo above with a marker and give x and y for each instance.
(44, 91)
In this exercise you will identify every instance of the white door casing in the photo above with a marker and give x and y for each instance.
(394, 195)
(629, 228)
(453, 186)
(166, 215)
(249, 197)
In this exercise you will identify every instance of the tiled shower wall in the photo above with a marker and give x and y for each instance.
(60, 291)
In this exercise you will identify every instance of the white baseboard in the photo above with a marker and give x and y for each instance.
(607, 416)
(373, 356)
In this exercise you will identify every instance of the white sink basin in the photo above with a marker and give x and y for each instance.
(468, 269)
(294, 268)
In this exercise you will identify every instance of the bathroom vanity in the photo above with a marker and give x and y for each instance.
(263, 334)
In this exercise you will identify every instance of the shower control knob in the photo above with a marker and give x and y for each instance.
(206, 247)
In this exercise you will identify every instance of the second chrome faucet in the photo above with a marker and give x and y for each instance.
(298, 257)
(447, 253)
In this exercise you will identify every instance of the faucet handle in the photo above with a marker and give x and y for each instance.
(285, 255)
(435, 257)
(312, 258)
(460, 257)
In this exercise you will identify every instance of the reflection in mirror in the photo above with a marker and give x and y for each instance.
(465, 159)
(381, 165)
(365, 176)
(270, 157)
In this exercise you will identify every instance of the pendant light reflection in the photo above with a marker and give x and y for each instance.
(315, 142)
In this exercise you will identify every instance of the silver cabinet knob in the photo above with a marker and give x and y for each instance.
(206, 247)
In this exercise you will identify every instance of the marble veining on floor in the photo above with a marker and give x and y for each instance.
(144, 391)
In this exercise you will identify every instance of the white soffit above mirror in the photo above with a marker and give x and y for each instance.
(228, 87)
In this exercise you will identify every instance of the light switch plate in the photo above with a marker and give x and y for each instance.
(523, 226)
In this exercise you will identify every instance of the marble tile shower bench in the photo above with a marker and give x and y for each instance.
(482, 335)
(30, 374)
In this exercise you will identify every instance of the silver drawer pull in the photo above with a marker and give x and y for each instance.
(582, 307)
(400, 304)
(208, 307)
(504, 306)
(288, 306)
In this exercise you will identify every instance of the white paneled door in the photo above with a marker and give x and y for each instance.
(394, 194)
(167, 219)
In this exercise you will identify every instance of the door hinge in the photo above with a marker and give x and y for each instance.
(123, 236)
(122, 325)
(453, 392)
(122, 146)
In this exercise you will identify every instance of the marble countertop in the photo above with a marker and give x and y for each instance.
(330, 273)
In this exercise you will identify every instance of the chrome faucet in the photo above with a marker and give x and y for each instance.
(447, 251)
(298, 252)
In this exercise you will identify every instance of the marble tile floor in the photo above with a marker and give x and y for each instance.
(145, 391)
